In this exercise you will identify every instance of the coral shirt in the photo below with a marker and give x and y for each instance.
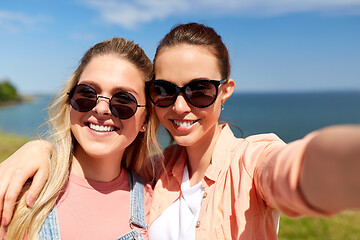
(248, 183)
(96, 210)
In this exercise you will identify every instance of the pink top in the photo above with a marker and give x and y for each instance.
(247, 184)
(96, 210)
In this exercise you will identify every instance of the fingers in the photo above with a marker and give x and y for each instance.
(2, 232)
(36, 187)
(5, 179)
(18, 179)
(15, 186)
(30, 159)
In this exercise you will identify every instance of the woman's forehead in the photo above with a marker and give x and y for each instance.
(186, 62)
(112, 73)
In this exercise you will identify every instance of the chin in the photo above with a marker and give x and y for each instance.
(98, 150)
(184, 141)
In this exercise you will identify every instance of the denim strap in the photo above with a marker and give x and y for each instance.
(50, 228)
(137, 202)
(133, 234)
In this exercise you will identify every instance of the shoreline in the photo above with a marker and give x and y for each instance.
(22, 99)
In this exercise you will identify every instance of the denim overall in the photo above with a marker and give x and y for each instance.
(50, 228)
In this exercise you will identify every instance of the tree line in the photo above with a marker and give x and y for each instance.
(7, 91)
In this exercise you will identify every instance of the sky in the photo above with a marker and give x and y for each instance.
(274, 45)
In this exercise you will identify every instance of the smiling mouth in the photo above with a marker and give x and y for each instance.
(184, 123)
(101, 128)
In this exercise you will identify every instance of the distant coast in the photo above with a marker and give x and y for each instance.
(21, 99)
(9, 95)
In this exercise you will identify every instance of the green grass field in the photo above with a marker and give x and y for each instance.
(345, 226)
(9, 143)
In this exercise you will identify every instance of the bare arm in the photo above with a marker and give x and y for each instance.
(30, 161)
(330, 177)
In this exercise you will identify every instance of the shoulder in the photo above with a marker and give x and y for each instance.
(256, 144)
(250, 151)
(227, 136)
(262, 142)
(265, 137)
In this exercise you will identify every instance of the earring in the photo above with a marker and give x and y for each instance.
(143, 128)
(222, 106)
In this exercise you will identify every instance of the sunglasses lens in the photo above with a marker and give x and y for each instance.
(123, 105)
(201, 93)
(82, 98)
(162, 94)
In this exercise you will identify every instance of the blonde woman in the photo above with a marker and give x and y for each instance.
(102, 133)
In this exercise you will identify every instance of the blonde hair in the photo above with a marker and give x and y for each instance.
(27, 221)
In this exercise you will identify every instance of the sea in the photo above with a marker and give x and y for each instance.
(289, 115)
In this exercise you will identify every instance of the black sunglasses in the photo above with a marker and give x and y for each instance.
(83, 98)
(199, 93)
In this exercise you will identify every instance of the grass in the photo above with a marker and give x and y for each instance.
(345, 226)
(9, 143)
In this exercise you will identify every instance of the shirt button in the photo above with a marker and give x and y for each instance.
(205, 195)
(197, 224)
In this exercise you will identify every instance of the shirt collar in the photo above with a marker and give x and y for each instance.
(222, 151)
(176, 157)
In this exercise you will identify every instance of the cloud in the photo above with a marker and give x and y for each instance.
(15, 22)
(131, 13)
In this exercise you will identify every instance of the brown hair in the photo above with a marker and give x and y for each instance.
(199, 35)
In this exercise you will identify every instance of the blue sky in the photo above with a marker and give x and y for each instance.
(274, 45)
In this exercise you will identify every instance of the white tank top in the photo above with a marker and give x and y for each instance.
(178, 221)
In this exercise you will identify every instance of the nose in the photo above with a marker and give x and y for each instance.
(181, 105)
(102, 106)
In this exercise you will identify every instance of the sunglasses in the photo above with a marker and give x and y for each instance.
(83, 98)
(199, 93)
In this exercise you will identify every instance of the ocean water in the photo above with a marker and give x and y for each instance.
(289, 115)
(25, 118)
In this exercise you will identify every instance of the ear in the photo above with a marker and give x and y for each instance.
(143, 128)
(227, 90)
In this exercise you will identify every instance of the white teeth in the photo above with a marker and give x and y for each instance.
(101, 128)
(183, 124)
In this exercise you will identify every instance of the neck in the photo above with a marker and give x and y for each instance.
(100, 169)
(200, 154)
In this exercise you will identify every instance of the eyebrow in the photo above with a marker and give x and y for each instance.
(97, 86)
(194, 79)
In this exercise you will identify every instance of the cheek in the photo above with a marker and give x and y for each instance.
(160, 113)
(135, 122)
(211, 113)
(75, 122)
(141, 119)
(216, 106)
(75, 117)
